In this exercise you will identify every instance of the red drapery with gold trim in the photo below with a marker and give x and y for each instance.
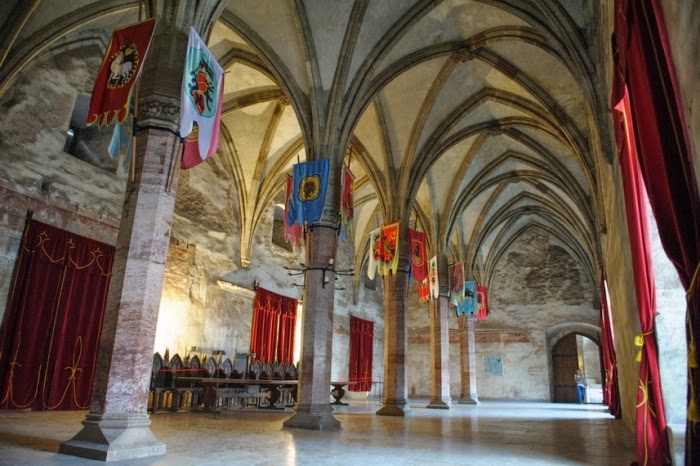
(644, 72)
(611, 393)
(360, 371)
(652, 440)
(51, 329)
(272, 332)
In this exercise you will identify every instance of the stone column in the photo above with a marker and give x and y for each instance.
(440, 346)
(117, 427)
(467, 359)
(395, 400)
(313, 410)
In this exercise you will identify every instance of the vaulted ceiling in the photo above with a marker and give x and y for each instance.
(476, 120)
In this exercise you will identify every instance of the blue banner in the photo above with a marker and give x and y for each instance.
(468, 306)
(310, 183)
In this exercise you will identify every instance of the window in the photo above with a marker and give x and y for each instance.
(87, 143)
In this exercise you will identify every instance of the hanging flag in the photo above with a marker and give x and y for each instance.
(433, 274)
(120, 68)
(190, 152)
(482, 302)
(310, 183)
(201, 92)
(419, 263)
(292, 233)
(387, 253)
(374, 236)
(456, 284)
(120, 144)
(345, 234)
(468, 306)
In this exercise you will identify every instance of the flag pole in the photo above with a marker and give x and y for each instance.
(132, 165)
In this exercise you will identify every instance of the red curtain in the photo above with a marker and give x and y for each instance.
(51, 329)
(272, 332)
(652, 440)
(644, 70)
(611, 393)
(360, 372)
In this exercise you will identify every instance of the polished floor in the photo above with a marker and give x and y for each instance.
(493, 433)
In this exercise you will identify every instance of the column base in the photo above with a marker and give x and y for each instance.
(394, 408)
(114, 438)
(468, 400)
(313, 417)
(439, 403)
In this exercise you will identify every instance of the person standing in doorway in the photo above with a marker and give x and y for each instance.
(580, 386)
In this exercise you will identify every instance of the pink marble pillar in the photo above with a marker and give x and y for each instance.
(313, 409)
(395, 400)
(467, 358)
(440, 348)
(117, 426)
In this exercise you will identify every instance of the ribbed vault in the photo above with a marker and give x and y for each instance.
(474, 120)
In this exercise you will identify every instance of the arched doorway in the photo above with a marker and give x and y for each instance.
(573, 352)
(571, 346)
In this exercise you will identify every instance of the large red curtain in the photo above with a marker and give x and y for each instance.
(360, 371)
(611, 393)
(652, 440)
(52, 324)
(645, 73)
(272, 332)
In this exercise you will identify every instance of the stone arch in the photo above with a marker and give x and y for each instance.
(556, 332)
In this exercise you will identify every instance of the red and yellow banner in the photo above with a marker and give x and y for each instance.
(419, 263)
(386, 249)
(118, 72)
(345, 235)
(482, 302)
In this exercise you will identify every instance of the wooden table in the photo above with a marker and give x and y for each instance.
(338, 392)
(213, 391)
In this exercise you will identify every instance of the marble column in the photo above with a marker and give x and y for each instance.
(117, 426)
(313, 409)
(467, 359)
(395, 400)
(440, 348)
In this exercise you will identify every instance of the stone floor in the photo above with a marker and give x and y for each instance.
(489, 434)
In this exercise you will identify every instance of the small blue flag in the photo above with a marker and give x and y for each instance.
(121, 140)
(468, 306)
(310, 183)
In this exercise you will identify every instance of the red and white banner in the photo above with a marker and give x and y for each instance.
(120, 67)
(419, 263)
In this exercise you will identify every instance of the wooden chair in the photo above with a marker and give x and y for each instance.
(161, 384)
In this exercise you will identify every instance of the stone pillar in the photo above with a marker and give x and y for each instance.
(117, 427)
(395, 400)
(313, 410)
(440, 348)
(467, 359)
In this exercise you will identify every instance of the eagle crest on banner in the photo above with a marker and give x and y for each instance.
(310, 188)
(202, 88)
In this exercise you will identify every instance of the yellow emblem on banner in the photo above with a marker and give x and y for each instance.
(309, 188)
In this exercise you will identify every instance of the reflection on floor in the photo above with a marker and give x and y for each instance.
(489, 434)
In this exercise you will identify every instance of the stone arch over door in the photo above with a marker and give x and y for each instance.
(558, 332)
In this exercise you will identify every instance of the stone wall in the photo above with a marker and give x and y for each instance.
(208, 295)
(537, 285)
(35, 172)
(623, 302)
